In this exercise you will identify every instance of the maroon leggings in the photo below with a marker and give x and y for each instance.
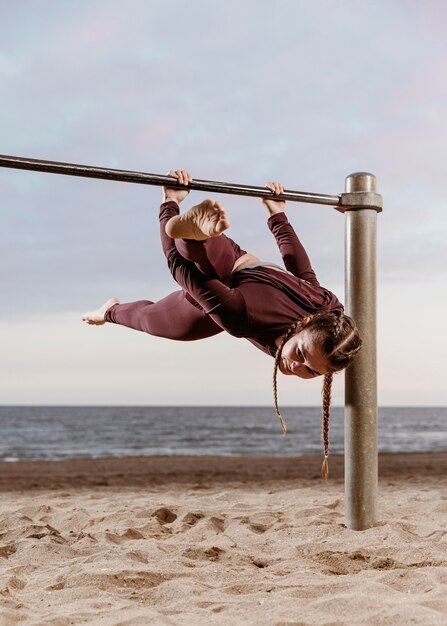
(179, 316)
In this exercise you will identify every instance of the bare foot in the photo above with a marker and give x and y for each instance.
(97, 317)
(205, 220)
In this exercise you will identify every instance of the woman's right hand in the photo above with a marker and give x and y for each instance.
(274, 206)
(172, 193)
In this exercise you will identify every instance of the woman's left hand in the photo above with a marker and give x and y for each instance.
(274, 206)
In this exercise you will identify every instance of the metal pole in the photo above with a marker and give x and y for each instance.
(143, 178)
(361, 460)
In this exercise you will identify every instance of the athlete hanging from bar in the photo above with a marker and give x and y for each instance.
(283, 312)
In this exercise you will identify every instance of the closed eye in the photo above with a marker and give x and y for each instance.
(312, 372)
(301, 357)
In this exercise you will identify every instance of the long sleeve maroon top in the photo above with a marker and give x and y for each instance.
(260, 303)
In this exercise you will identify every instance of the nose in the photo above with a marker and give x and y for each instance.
(297, 362)
(295, 366)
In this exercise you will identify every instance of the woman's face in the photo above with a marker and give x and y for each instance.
(301, 356)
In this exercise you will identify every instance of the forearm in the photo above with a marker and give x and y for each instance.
(274, 211)
(292, 250)
(170, 195)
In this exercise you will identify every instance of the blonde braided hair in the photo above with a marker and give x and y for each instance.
(340, 341)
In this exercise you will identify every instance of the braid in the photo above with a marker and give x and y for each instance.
(346, 341)
(339, 340)
(327, 391)
(337, 325)
(290, 331)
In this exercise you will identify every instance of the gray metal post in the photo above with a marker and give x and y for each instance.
(361, 204)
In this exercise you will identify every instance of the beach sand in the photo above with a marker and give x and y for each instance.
(215, 540)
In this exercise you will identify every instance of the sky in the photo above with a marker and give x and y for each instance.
(241, 91)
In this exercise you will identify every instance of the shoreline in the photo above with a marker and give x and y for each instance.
(136, 471)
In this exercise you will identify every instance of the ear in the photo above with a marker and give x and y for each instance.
(304, 322)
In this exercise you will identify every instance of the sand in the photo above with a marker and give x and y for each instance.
(212, 540)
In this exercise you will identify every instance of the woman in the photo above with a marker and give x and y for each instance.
(283, 312)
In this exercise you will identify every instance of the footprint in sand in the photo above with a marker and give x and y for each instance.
(342, 563)
(218, 523)
(129, 534)
(190, 520)
(130, 579)
(258, 528)
(259, 563)
(16, 583)
(6, 551)
(259, 524)
(199, 554)
(165, 516)
(38, 532)
(137, 555)
(82, 535)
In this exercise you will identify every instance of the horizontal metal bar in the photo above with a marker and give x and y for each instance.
(143, 178)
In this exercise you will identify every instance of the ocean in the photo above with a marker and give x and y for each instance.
(53, 433)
